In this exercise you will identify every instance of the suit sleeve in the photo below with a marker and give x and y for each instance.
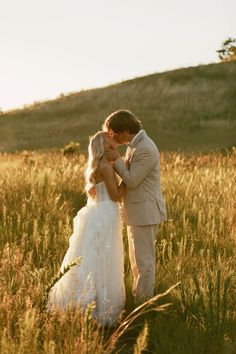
(139, 167)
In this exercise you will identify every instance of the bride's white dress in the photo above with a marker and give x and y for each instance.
(97, 237)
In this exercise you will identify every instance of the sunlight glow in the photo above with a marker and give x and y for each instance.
(53, 47)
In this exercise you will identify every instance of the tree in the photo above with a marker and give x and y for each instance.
(228, 50)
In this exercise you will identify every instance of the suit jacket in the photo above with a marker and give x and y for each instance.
(143, 202)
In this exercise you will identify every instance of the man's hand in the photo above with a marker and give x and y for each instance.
(111, 154)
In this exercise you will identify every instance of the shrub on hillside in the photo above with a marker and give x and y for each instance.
(71, 148)
(227, 52)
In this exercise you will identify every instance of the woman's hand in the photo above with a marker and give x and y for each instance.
(111, 154)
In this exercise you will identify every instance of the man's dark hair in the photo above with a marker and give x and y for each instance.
(121, 121)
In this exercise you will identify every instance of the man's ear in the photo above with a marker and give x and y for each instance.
(110, 133)
(126, 132)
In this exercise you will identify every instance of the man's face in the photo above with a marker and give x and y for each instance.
(120, 138)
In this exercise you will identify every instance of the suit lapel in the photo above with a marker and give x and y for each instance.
(127, 153)
(131, 148)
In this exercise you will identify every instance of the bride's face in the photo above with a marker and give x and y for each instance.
(109, 143)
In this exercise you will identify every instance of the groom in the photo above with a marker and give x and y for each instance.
(143, 203)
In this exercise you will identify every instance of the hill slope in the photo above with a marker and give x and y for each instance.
(192, 109)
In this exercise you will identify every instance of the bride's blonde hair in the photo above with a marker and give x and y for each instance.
(95, 154)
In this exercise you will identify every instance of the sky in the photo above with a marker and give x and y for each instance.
(53, 47)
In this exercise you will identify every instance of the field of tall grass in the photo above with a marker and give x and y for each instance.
(41, 192)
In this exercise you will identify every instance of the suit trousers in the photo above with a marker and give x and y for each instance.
(141, 240)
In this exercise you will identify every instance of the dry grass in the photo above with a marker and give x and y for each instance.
(40, 194)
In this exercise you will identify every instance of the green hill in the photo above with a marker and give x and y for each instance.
(192, 109)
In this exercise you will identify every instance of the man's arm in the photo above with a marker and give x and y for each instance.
(138, 169)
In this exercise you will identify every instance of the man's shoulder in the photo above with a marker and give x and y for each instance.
(149, 140)
(147, 144)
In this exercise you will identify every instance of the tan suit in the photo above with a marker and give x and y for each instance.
(143, 209)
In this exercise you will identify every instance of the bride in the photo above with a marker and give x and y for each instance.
(97, 238)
